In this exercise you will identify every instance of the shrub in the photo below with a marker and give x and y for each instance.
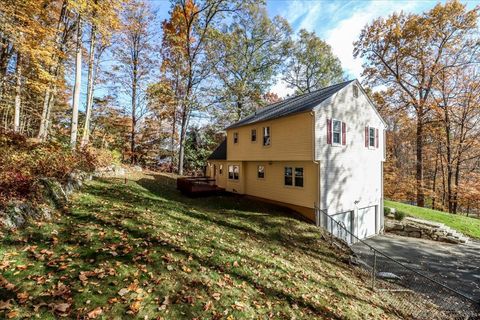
(399, 215)
(24, 162)
(386, 211)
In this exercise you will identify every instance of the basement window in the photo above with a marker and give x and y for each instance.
(293, 177)
(233, 172)
(261, 172)
(298, 177)
(288, 176)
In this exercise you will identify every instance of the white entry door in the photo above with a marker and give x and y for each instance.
(366, 222)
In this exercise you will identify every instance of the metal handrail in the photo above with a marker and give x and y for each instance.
(342, 225)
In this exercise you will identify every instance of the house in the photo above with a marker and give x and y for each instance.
(321, 151)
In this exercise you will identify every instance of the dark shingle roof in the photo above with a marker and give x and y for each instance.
(297, 104)
(220, 153)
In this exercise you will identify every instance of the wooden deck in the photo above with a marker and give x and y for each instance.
(198, 186)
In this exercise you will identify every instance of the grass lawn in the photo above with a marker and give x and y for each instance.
(142, 250)
(466, 225)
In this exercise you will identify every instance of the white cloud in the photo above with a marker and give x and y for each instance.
(281, 88)
(346, 31)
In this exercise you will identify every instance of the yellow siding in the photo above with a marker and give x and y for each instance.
(236, 186)
(220, 177)
(291, 139)
(272, 186)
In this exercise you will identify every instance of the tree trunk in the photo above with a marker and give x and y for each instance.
(77, 86)
(88, 111)
(174, 131)
(419, 162)
(455, 193)
(449, 156)
(434, 183)
(18, 92)
(183, 133)
(42, 131)
(49, 92)
(134, 117)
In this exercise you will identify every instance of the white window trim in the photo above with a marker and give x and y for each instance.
(336, 144)
(269, 136)
(264, 171)
(293, 177)
(233, 168)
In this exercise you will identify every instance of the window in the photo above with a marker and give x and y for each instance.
(261, 172)
(254, 135)
(299, 177)
(220, 170)
(266, 136)
(288, 176)
(235, 137)
(355, 91)
(233, 172)
(290, 179)
(371, 138)
(337, 131)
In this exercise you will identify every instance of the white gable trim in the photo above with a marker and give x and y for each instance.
(369, 100)
(356, 82)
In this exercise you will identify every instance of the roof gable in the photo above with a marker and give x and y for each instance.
(220, 153)
(290, 106)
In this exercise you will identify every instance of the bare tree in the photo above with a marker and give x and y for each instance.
(135, 61)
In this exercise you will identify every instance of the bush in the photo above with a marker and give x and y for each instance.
(25, 162)
(399, 215)
(386, 211)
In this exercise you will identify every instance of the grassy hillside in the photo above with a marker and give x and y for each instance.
(142, 250)
(466, 225)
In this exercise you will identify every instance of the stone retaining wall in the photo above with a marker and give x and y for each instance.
(416, 228)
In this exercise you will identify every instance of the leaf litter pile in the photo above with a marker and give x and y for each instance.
(141, 250)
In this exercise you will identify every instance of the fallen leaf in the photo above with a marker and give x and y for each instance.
(123, 292)
(94, 313)
(22, 297)
(5, 305)
(135, 306)
(21, 267)
(216, 296)
(208, 305)
(61, 307)
(12, 314)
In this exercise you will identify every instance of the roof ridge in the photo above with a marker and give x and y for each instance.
(298, 103)
(301, 95)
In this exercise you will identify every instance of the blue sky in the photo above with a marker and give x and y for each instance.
(339, 23)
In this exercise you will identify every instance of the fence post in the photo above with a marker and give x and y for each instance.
(374, 269)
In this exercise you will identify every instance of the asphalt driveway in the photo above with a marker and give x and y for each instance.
(457, 266)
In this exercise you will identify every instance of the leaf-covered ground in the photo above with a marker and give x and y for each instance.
(141, 250)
